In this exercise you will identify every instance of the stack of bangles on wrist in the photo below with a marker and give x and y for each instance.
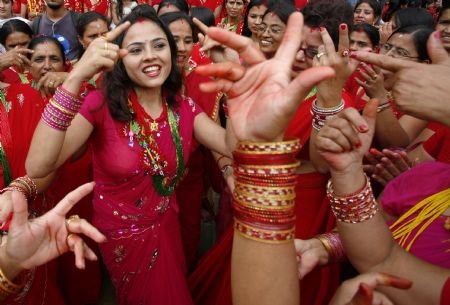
(264, 194)
(333, 245)
(25, 185)
(7, 287)
(353, 208)
(321, 115)
(61, 109)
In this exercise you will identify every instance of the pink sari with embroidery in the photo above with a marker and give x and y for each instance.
(143, 254)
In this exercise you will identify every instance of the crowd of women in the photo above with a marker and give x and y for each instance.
(324, 133)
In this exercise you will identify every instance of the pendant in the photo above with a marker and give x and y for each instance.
(154, 126)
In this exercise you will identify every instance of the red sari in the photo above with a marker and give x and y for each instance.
(22, 106)
(210, 283)
(143, 254)
(12, 76)
(211, 4)
(74, 5)
(195, 183)
(237, 28)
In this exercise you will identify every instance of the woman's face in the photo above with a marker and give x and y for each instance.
(148, 62)
(234, 8)
(359, 41)
(254, 18)
(5, 9)
(309, 48)
(46, 58)
(443, 25)
(169, 8)
(17, 39)
(182, 33)
(93, 30)
(272, 31)
(398, 46)
(364, 13)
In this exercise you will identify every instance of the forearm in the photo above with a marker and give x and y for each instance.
(260, 276)
(10, 270)
(389, 132)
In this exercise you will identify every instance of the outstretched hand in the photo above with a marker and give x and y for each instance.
(262, 98)
(35, 242)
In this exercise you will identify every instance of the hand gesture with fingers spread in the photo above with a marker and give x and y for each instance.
(34, 242)
(329, 91)
(262, 98)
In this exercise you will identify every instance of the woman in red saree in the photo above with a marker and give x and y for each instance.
(234, 16)
(141, 138)
(102, 7)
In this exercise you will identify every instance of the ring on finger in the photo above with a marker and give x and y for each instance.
(72, 218)
(106, 46)
(374, 77)
(345, 53)
(319, 55)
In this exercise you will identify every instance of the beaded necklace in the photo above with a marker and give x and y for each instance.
(140, 130)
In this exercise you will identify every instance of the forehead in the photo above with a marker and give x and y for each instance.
(46, 49)
(359, 36)
(142, 31)
(445, 15)
(95, 26)
(17, 36)
(272, 18)
(364, 6)
(401, 40)
(257, 9)
(180, 26)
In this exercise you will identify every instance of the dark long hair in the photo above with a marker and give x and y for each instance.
(117, 84)
(375, 5)
(245, 30)
(12, 26)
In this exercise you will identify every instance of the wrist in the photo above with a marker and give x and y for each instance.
(10, 268)
(348, 180)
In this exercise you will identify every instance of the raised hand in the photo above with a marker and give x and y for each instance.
(34, 242)
(16, 57)
(50, 81)
(101, 55)
(329, 91)
(420, 90)
(373, 82)
(262, 98)
(344, 140)
(361, 289)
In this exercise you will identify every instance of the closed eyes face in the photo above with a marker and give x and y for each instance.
(364, 13)
(148, 62)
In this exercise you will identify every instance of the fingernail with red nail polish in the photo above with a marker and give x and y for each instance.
(322, 29)
(353, 55)
(363, 128)
(343, 26)
(358, 145)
